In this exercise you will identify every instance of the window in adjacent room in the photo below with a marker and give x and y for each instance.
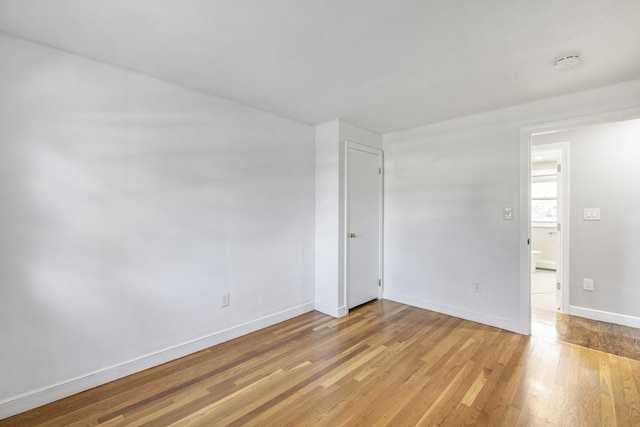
(544, 197)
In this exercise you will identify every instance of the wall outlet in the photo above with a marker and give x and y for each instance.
(224, 299)
(477, 288)
(587, 284)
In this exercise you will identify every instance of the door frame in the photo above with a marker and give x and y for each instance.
(379, 153)
(563, 197)
(526, 132)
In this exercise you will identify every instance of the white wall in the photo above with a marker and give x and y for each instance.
(604, 173)
(445, 187)
(330, 233)
(127, 206)
(327, 220)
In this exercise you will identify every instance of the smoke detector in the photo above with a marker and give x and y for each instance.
(567, 61)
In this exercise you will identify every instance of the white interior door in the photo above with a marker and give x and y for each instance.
(562, 270)
(363, 223)
(559, 227)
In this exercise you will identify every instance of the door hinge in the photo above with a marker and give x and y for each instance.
(528, 241)
(558, 285)
(379, 282)
(558, 226)
(379, 171)
(559, 167)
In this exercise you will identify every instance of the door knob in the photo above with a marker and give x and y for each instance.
(352, 235)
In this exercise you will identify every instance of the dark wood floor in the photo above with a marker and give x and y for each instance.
(603, 336)
(383, 364)
(607, 337)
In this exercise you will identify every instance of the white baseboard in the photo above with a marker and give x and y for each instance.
(35, 398)
(605, 316)
(474, 316)
(331, 310)
(343, 311)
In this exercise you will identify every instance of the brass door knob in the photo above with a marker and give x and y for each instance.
(352, 235)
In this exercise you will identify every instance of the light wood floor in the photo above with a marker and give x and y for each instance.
(383, 364)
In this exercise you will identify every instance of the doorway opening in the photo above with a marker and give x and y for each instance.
(549, 195)
(591, 163)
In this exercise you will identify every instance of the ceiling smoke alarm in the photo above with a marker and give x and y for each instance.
(567, 61)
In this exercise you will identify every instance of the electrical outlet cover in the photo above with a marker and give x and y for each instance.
(224, 299)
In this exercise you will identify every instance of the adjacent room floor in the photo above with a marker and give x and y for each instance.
(543, 303)
(548, 322)
(543, 290)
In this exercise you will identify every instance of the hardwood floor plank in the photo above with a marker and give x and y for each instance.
(628, 388)
(608, 413)
(506, 388)
(384, 364)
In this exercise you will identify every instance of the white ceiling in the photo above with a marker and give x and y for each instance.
(382, 65)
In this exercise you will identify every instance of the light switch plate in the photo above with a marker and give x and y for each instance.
(507, 213)
(592, 214)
